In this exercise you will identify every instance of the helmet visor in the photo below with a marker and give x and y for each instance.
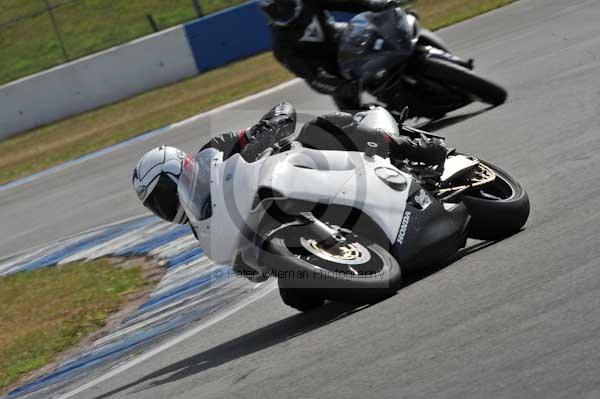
(163, 200)
(194, 185)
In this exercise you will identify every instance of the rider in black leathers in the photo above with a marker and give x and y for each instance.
(335, 131)
(305, 41)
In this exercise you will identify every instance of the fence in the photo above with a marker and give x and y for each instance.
(135, 67)
(38, 34)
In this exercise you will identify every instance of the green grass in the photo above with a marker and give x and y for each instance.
(46, 311)
(50, 145)
(12, 9)
(87, 26)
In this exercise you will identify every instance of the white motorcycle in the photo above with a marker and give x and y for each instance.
(343, 226)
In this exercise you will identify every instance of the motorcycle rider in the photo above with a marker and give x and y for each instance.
(156, 176)
(305, 40)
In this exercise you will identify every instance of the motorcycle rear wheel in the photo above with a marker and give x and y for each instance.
(298, 298)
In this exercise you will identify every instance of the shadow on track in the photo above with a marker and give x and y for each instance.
(244, 345)
(429, 271)
(270, 335)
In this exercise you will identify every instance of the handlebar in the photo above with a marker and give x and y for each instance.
(418, 133)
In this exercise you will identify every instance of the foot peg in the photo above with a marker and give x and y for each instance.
(469, 64)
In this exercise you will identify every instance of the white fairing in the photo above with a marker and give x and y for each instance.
(327, 177)
(379, 118)
(334, 177)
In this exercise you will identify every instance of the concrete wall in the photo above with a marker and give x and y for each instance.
(96, 80)
(134, 68)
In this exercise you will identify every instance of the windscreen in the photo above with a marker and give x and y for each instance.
(194, 185)
(373, 42)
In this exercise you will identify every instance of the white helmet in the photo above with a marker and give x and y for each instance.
(155, 180)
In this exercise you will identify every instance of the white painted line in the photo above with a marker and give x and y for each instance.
(196, 270)
(142, 137)
(208, 292)
(73, 237)
(112, 246)
(152, 320)
(168, 310)
(264, 290)
(176, 284)
(175, 247)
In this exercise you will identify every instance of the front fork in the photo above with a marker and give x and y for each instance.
(432, 52)
(248, 262)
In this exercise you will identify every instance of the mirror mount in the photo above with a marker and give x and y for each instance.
(403, 116)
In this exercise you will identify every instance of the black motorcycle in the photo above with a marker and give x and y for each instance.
(401, 64)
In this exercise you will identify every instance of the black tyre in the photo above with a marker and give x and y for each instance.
(498, 209)
(361, 272)
(464, 80)
(299, 298)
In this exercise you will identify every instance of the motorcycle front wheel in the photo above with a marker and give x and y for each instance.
(357, 271)
(498, 209)
(463, 79)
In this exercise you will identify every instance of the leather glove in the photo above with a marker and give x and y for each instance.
(431, 151)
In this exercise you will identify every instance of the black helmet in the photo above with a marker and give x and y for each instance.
(281, 12)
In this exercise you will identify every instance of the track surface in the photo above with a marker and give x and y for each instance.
(517, 319)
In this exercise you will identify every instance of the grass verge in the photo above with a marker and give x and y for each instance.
(48, 310)
(53, 144)
(28, 43)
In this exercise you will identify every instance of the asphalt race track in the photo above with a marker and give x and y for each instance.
(516, 319)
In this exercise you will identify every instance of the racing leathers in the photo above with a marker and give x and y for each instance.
(335, 131)
(308, 47)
